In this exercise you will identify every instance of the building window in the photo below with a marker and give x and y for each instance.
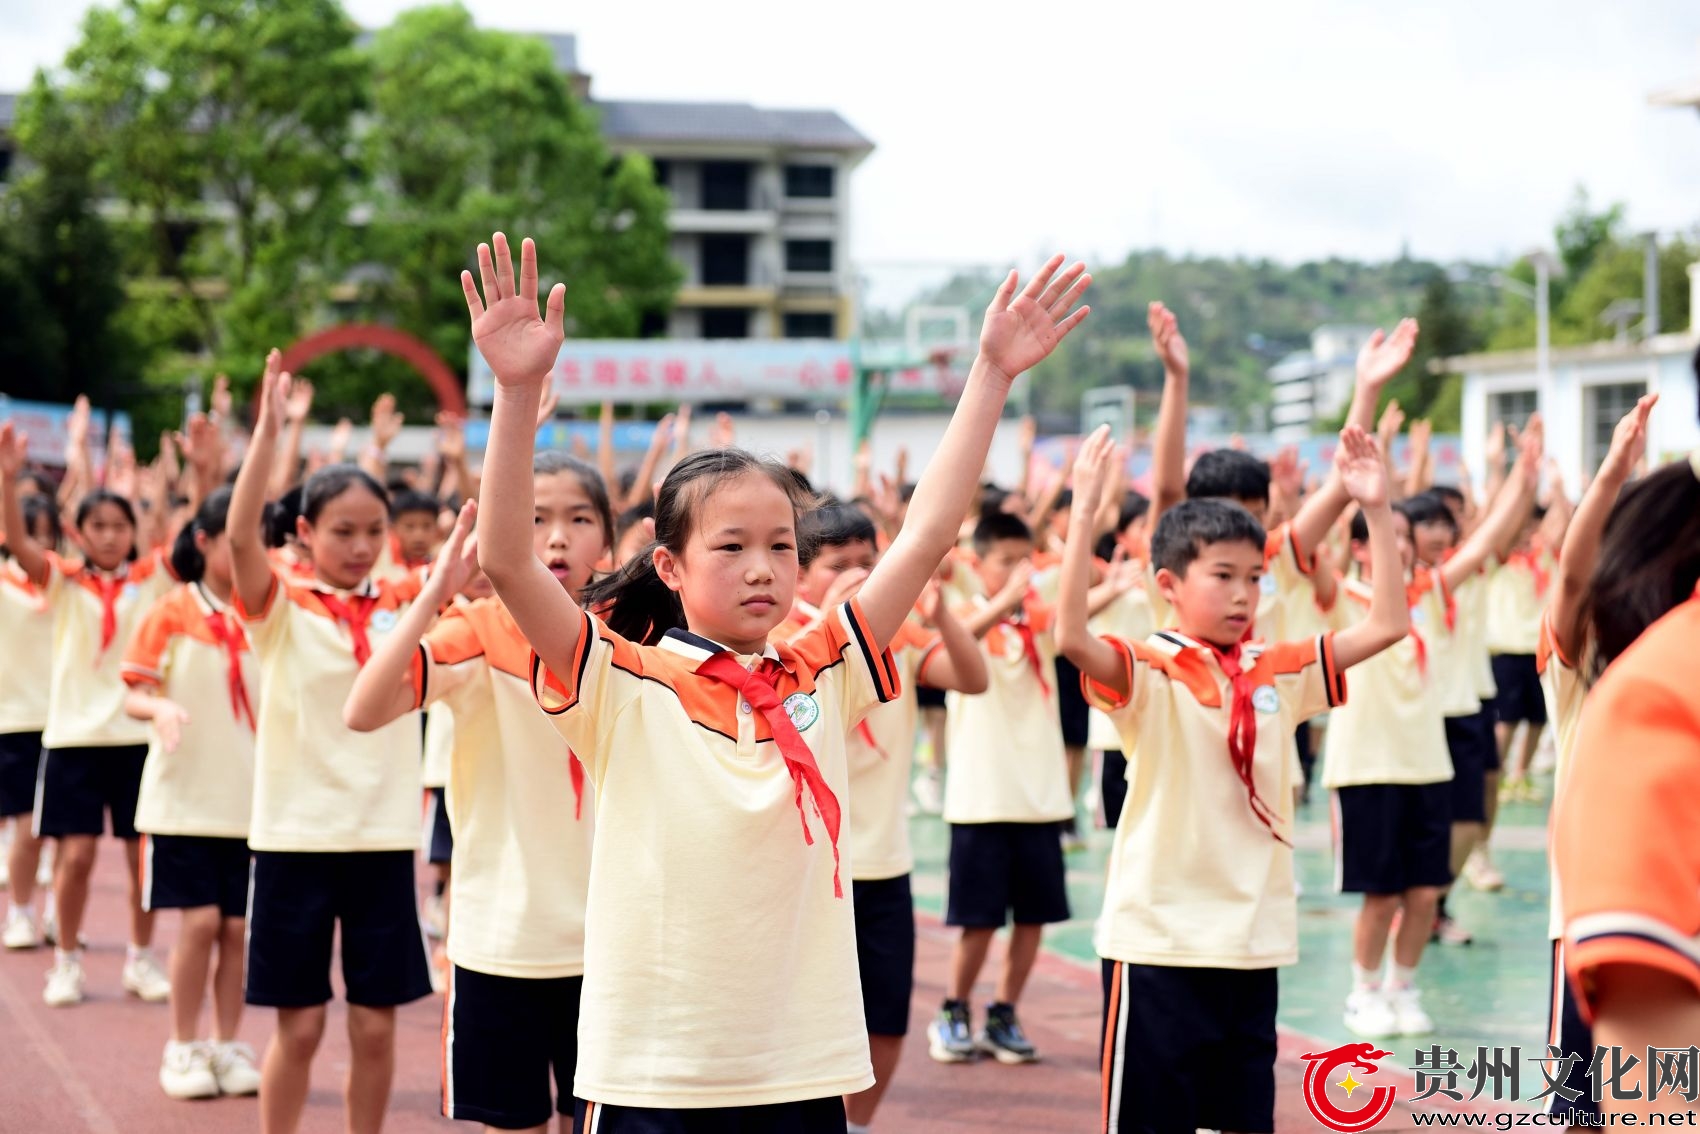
(725, 260)
(809, 325)
(725, 322)
(1511, 407)
(808, 180)
(1606, 406)
(726, 185)
(663, 171)
(808, 255)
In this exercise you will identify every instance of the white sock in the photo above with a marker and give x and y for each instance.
(13, 909)
(1364, 980)
(134, 952)
(65, 956)
(1398, 976)
(852, 1128)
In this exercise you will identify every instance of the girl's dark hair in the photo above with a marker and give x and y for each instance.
(634, 601)
(104, 496)
(187, 562)
(1649, 559)
(279, 520)
(1429, 508)
(36, 507)
(332, 481)
(632, 517)
(1360, 524)
(553, 461)
(1135, 505)
(832, 525)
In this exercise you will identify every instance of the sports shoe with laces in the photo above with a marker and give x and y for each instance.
(233, 1066)
(64, 983)
(949, 1039)
(1447, 931)
(1408, 1014)
(144, 978)
(1369, 1014)
(1003, 1038)
(1480, 872)
(20, 932)
(185, 1072)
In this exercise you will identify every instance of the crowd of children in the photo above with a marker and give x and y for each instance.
(667, 734)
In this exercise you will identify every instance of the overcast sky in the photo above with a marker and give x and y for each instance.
(1294, 130)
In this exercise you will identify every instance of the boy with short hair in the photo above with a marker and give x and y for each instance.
(1199, 905)
(414, 524)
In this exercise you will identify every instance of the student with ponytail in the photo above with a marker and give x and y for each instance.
(709, 746)
(191, 674)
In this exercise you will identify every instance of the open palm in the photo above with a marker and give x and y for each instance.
(1360, 467)
(1383, 356)
(1021, 330)
(519, 346)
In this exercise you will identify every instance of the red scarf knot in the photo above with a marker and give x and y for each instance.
(1242, 733)
(758, 689)
(355, 616)
(108, 591)
(1030, 649)
(230, 636)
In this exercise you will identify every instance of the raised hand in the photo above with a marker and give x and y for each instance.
(1092, 469)
(1021, 330)
(203, 447)
(457, 560)
(932, 596)
(341, 435)
(1383, 356)
(1531, 446)
(1287, 472)
(1028, 433)
(166, 464)
(221, 401)
(14, 450)
(77, 425)
(723, 434)
(120, 465)
(275, 385)
(520, 346)
(1360, 468)
(451, 436)
(1014, 592)
(1167, 338)
(546, 407)
(800, 460)
(844, 588)
(1629, 439)
(386, 421)
(300, 402)
(1392, 420)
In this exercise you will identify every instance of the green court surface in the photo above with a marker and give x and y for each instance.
(1492, 993)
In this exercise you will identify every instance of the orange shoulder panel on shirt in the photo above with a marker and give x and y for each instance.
(454, 639)
(1285, 658)
(1548, 648)
(1272, 541)
(142, 657)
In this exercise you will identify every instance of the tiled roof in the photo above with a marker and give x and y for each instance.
(728, 122)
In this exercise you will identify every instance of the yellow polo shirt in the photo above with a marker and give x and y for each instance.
(880, 773)
(1393, 731)
(86, 709)
(522, 833)
(205, 787)
(1517, 593)
(1196, 880)
(319, 785)
(26, 626)
(1128, 617)
(1563, 690)
(720, 969)
(1007, 763)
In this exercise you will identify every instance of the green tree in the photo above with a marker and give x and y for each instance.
(1446, 332)
(474, 130)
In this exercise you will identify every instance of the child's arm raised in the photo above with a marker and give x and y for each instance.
(521, 349)
(1018, 334)
(251, 568)
(382, 690)
(31, 556)
(1096, 658)
(1498, 531)
(1581, 548)
(1361, 470)
(961, 666)
(1168, 443)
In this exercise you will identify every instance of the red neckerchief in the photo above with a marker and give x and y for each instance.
(1530, 561)
(229, 635)
(107, 590)
(1029, 645)
(758, 689)
(354, 617)
(1242, 731)
(576, 770)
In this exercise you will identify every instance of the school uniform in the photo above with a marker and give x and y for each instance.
(1626, 831)
(194, 804)
(520, 805)
(1387, 762)
(437, 836)
(335, 814)
(1129, 617)
(26, 626)
(1567, 1028)
(720, 797)
(1454, 663)
(91, 766)
(1199, 905)
(1008, 785)
(1516, 596)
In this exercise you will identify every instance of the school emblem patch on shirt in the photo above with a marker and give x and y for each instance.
(130, 591)
(383, 621)
(1265, 700)
(1266, 584)
(802, 710)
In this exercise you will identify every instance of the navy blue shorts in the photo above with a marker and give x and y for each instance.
(510, 1046)
(1470, 740)
(928, 697)
(439, 842)
(1393, 837)
(1188, 1049)
(1570, 1033)
(1113, 787)
(885, 952)
(1519, 697)
(20, 766)
(1072, 710)
(186, 872)
(812, 1116)
(1004, 870)
(297, 900)
(81, 788)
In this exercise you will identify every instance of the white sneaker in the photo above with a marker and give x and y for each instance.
(929, 793)
(186, 1073)
(64, 983)
(233, 1067)
(436, 925)
(1407, 1005)
(20, 932)
(1369, 1014)
(143, 977)
(1480, 872)
(5, 869)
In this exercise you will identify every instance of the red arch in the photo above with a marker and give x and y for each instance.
(351, 336)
